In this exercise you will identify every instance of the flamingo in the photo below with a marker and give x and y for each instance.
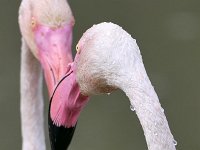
(108, 58)
(46, 27)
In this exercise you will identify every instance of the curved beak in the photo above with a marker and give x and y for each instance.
(60, 136)
(65, 107)
(66, 103)
(54, 50)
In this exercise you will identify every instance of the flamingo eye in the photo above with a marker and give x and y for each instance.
(77, 49)
(33, 22)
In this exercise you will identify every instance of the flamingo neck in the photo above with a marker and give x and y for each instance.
(31, 101)
(145, 102)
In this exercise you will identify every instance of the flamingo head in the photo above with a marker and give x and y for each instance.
(105, 59)
(46, 27)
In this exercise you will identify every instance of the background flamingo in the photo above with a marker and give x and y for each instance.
(46, 28)
(172, 63)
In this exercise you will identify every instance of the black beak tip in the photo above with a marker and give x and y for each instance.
(60, 137)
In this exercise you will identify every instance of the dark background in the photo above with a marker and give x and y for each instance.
(168, 34)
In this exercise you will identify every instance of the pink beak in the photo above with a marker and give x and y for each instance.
(54, 45)
(54, 49)
(66, 103)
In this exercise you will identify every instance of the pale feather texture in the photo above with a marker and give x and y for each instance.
(108, 58)
(31, 104)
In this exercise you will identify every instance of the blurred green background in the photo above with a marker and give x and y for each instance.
(168, 34)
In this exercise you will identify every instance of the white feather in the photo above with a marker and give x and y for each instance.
(109, 58)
